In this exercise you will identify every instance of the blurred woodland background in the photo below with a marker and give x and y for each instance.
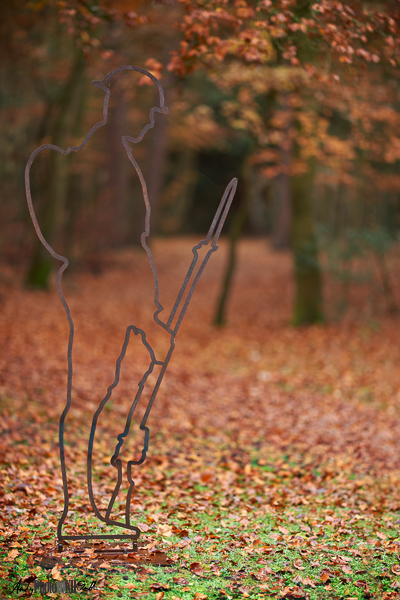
(293, 430)
(299, 100)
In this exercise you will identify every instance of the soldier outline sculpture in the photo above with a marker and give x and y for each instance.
(177, 313)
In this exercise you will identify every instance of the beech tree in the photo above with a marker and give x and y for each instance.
(327, 66)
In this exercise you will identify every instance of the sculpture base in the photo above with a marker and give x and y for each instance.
(119, 556)
(123, 537)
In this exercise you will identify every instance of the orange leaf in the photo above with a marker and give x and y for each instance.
(56, 573)
(298, 564)
(283, 530)
(346, 569)
(197, 569)
(180, 581)
(396, 569)
(29, 561)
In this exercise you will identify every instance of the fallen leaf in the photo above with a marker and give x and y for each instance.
(197, 569)
(156, 587)
(263, 574)
(308, 581)
(396, 569)
(347, 570)
(292, 592)
(298, 564)
(12, 555)
(395, 584)
(29, 561)
(180, 581)
(56, 573)
(344, 558)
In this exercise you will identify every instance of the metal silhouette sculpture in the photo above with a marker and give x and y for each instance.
(178, 311)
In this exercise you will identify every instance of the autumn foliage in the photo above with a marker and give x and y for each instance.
(264, 438)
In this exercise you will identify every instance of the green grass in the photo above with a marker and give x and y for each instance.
(233, 553)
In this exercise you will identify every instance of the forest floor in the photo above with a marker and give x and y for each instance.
(274, 465)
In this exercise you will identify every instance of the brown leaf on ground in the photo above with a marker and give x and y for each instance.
(308, 581)
(347, 570)
(157, 587)
(292, 592)
(29, 561)
(180, 581)
(396, 569)
(263, 574)
(197, 569)
(56, 573)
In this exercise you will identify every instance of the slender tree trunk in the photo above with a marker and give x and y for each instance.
(158, 157)
(308, 282)
(236, 228)
(177, 197)
(75, 196)
(39, 272)
(281, 233)
(114, 227)
(390, 298)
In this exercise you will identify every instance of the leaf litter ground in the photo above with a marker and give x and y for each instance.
(273, 469)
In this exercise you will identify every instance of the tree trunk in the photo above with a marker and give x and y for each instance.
(113, 225)
(158, 158)
(308, 282)
(236, 228)
(281, 233)
(39, 272)
(178, 195)
(75, 196)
